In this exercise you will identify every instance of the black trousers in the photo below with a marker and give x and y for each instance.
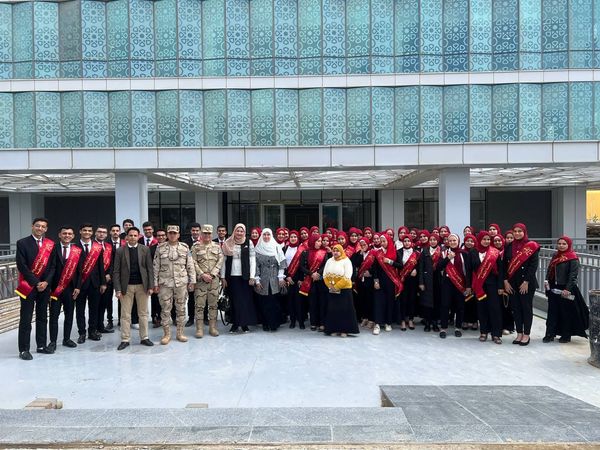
(408, 299)
(452, 300)
(383, 301)
(295, 304)
(91, 297)
(105, 306)
(317, 303)
(192, 306)
(39, 301)
(522, 308)
(489, 312)
(65, 300)
(364, 299)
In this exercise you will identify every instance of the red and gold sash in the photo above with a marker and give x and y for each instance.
(295, 262)
(349, 251)
(391, 272)
(90, 261)
(567, 256)
(38, 267)
(436, 256)
(487, 265)
(68, 272)
(456, 277)
(519, 259)
(407, 268)
(107, 256)
(367, 263)
(318, 258)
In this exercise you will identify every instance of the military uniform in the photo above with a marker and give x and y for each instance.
(208, 259)
(173, 272)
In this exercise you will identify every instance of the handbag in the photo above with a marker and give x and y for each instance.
(224, 306)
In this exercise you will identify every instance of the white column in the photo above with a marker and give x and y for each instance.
(569, 212)
(455, 199)
(131, 197)
(208, 208)
(391, 208)
(23, 208)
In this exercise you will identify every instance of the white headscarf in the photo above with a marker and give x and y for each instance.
(271, 248)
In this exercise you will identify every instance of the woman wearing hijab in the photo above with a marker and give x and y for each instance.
(237, 275)
(304, 233)
(311, 267)
(509, 237)
(386, 284)
(294, 300)
(255, 235)
(508, 323)
(494, 230)
(435, 250)
(487, 286)
(407, 262)
(315, 230)
(362, 261)
(280, 236)
(455, 286)
(521, 260)
(426, 280)
(377, 241)
(340, 319)
(269, 279)
(568, 315)
(353, 235)
(402, 231)
(470, 314)
(468, 230)
(368, 233)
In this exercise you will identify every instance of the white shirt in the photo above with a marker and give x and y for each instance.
(290, 253)
(83, 244)
(236, 262)
(406, 254)
(68, 249)
(482, 256)
(117, 244)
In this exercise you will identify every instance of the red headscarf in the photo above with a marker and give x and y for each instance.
(496, 226)
(255, 241)
(436, 230)
(297, 242)
(367, 228)
(313, 229)
(345, 236)
(421, 234)
(387, 230)
(436, 237)
(499, 236)
(480, 248)
(307, 232)
(445, 227)
(405, 229)
(509, 232)
(312, 251)
(376, 234)
(390, 251)
(470, 236)
(517, 245)
(358, 231)
(277, 233)
(560, 257)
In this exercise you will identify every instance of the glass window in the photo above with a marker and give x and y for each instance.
(169, 198)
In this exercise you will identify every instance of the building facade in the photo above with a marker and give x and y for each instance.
(275, 112)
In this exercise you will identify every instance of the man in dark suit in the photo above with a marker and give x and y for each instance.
(221, 235)
(133, 277)
(127, 224)
(101, 237)
(93, 284)
(195, 237)
(107, 298)
(148, 238)
(36, 270)
(68, 259)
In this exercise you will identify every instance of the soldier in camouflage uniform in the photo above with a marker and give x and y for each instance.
(208, 260)
(174, 275)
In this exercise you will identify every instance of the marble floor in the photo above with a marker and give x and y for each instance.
(289, 368)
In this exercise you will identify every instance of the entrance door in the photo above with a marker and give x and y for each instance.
(272, 216)
(331, 215)
(297, 216)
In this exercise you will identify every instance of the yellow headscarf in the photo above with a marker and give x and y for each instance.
(341, 250)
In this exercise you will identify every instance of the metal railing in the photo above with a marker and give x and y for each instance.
(589, 246)
(9, 279)
(589, 271)
(7, 252)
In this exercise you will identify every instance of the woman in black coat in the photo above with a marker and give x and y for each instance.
(568, 315)
(426, 280)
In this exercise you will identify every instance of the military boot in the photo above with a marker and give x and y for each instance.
(166, 336)
(180, 335)
(199, 329)
(212, 327)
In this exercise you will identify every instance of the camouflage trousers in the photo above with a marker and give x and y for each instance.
(206, 293)
(166, 297)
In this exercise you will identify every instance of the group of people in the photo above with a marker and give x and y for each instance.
(337, 281)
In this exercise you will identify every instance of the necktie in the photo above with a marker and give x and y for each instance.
(39, 242)
(147, 242)
(86, 248)
(65, 252)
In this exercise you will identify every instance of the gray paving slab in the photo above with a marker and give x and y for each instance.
(570, 414)
(436, 414)
(455, 433)
(58, 417)
(43, 435)
(214, 417)
(591, 433)
(400, 395)
(368, 434)
(538, 433)
(509, 413)
(460, 393)
(123, 418)
(328, 416)
(209, 435)
(130, 435)
(295, 434)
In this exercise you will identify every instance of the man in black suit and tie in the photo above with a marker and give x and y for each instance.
(191, 305)
(65, 285)
(221, 235)
(133, 277)
(107, 298)
(93, 283)
(101, 237)
(36, 270)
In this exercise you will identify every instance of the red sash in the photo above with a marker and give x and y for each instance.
(295, 262)
(391, 272)
(457, 278)
(38, 267)
(107, 256)
(568, 256)
(481, 274)
(436, 256)
(90, 261)
(68, 272)
(411, 263)
(313, 267)
(367, 263)
(349, 251)
(519, 259)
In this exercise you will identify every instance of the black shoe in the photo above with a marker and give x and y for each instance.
(123, 345)
(94, 336)
(110, 326)
(25, 356)
(427, 328)
(313, 328)
(548, 339)
(457, 333)
(44, 350)
(81, 339)
(69, 343)
(106, 330)
(436, 328)
(302, 326)
(265, 328)
(233, 329)
(292, 324)
(443, 334)
(189, 323)
(523, 344)
(52, 346)
(147, 342)
(247, 330)
(564, 340)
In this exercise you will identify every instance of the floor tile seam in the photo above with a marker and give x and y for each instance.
(172, 413)
(549, 416)
(578, 433)
(246, 383)
(490, 427)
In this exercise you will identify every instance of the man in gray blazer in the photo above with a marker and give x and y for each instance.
(132, 278)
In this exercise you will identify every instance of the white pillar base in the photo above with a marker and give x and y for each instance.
(455, 199)
(131, 197)
(208, 209)
(391, 209)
